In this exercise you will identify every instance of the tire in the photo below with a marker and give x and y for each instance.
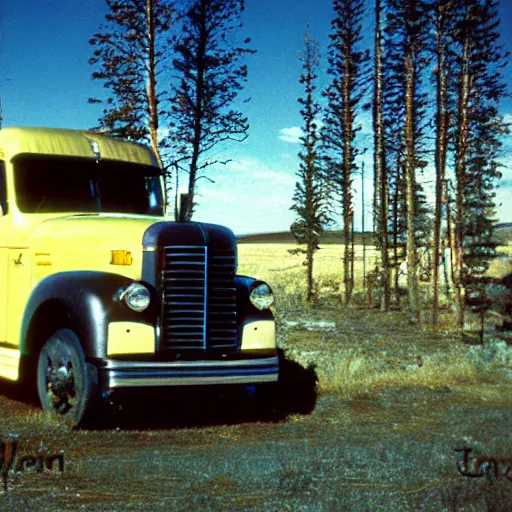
(67, 386)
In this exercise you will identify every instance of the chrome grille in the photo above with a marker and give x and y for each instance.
(221, 317)
(198, 298)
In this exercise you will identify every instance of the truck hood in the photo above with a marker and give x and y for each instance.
(87, 242)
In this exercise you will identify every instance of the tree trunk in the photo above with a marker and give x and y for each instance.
(395, 235)
(451, 236)
(441, 147)
(186, 216)
(378, 129)
(363, 226)
(460, 171)
(347, 220)
(309, 263)
(151, 81)
(410, 182)
(352, 255)
(381, 179)
(347, 181)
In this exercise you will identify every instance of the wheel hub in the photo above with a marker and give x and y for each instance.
(62, 373)
(60, 382)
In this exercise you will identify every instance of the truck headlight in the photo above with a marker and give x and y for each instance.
(137, 297)
(261, 296)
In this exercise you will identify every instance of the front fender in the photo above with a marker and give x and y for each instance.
(87, 297)
(244, 306)
(256, 328)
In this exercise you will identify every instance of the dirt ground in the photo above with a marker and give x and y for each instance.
(393, 448)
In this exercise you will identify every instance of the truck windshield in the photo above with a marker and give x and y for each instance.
(48, 184)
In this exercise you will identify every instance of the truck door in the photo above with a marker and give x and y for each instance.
(4, 254)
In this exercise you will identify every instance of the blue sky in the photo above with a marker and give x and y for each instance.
(45, 81)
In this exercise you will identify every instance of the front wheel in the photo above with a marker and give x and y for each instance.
(66, 384)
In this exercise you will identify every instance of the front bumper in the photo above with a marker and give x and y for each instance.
(117, 374)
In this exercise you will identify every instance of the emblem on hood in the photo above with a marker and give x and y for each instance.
(121, 257)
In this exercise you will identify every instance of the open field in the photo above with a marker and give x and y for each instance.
(286, 273)
(394, 401)
(350, 352)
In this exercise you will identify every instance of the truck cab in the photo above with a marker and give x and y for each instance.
(100, 291)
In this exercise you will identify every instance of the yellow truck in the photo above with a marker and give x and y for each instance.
(100, 291)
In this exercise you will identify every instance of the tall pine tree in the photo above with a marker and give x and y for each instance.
(442, 72)
(393, 112)
(407, 27)
(309, 190)
(478, 132)
(381, 185)
(348, 68)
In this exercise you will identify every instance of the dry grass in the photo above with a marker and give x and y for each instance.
(359, 350)
(274, 259)
(286, 273)
(350, 374)
(353, 372)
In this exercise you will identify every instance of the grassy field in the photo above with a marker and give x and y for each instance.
(360, 349)
(362, 356)
(286, 273)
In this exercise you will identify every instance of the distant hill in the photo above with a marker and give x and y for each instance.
(503, 233)
(285, 237)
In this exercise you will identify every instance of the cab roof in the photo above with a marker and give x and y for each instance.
(56, 141)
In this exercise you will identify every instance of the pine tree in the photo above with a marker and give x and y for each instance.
(381, 183)
(406, 43)
(478, 133)
(128, 57)
(209, 78)
(444, 34)
(398, 221)
(415, 21)
(309, 190)
(393, 112)
(348, 67)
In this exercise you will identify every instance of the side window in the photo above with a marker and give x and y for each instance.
(3, 190)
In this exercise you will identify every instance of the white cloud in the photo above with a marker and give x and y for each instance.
(256, 172)
(249, 195)
(240, 165)
(291, 135)
(269, 177)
